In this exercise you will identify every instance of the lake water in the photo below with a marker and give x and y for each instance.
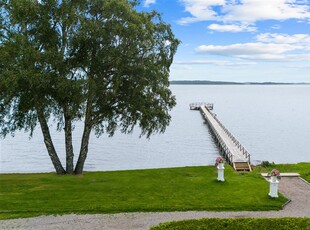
(272, 123)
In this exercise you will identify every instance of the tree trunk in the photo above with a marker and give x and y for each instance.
(85, 139)
(84, 150)
(49, 144)
(69, 147)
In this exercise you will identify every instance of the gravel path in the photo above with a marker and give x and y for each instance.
(294, 188)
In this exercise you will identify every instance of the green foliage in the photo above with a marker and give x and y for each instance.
(174, 189)
(266, 164)
(97, 61)
(240, 224)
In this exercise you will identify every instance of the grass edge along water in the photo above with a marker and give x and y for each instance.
(151, 190)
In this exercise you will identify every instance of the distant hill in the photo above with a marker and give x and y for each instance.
(197, 82)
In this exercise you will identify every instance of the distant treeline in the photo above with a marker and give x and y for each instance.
(230, 83)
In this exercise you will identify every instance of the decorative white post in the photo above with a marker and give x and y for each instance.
(220, 172)
(273, 190)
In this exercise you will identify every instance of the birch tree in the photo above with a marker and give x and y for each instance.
(100, 62)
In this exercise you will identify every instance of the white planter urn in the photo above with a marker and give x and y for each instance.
(273, 190)
(220, 172)
(273, 178)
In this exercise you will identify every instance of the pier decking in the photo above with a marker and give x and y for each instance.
(196, 106)
(232, 150)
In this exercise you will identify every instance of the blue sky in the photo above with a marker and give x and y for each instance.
(239, 40)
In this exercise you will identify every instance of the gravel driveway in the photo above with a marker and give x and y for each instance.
(296, 189)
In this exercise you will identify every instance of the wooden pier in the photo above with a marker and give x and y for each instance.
(231, 149)
(196, 106)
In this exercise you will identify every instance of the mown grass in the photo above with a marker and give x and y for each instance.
(249, 223)
(302, 168)
(240, 224)
(174, 189)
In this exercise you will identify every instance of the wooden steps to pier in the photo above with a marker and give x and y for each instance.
(231, 149)
(242, 166)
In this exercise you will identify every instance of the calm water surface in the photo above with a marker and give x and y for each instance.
(272, 122)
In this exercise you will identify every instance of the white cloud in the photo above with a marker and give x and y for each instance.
(214, 62)
(257, 51)
(257, 10)
(147, 3)
(231, 28)
(267, 47)
(245, 11)
(279, 57)
(246, 49)
(306, 67)
(284, 38)
(201, 10)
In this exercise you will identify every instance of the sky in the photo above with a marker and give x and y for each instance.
(238, 40)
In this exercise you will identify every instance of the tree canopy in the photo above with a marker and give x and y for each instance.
(99, 62)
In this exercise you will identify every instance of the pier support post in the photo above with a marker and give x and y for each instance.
(220, 172)
(273, 190)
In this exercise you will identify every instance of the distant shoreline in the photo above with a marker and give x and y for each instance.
(197, 82)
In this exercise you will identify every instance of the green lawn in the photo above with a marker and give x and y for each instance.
(302, 168)
(188, 188)
(249, 223)
(240, 224)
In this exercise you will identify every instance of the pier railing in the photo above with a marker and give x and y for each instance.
(236, 142)
(197, 105)
(228, 154)
(232, 150)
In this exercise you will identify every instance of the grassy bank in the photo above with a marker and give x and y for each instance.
(302, 168)
(240, 224)
(188, 188)
(249, 223)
